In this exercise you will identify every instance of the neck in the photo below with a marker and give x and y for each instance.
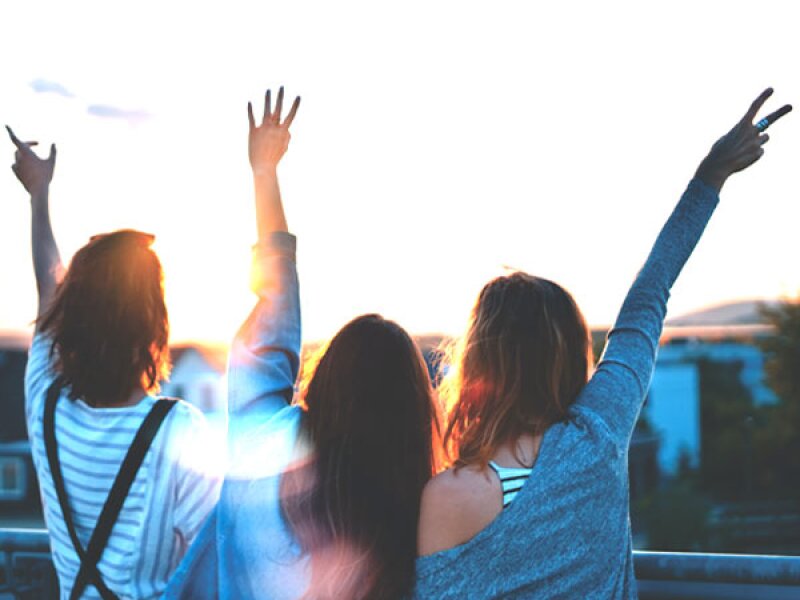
(521, 452)
(133, 398)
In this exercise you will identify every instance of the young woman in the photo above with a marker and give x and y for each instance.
(322, 496)
(98, 354)
(536, 505)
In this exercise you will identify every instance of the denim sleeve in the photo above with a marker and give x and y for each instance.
(265, 354)
(196, 577)
(619, 385)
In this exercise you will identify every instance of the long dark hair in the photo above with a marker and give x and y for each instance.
(108, 321)
(523, 361)
(370, 420)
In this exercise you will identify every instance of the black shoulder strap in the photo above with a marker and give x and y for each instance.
(88, 572)
(58, 481)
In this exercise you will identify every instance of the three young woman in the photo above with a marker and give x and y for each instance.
(120, 512)
(322, 495)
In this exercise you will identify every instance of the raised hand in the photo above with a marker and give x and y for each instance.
(268, 142)
(741, 146)
(33, 172)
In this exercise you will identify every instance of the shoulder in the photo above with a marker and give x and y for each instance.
(193, 443)
(456, 505)
(39, 373)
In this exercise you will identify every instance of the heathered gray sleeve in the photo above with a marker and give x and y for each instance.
(619, 385)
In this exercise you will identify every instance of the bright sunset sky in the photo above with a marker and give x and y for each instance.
(436, 142)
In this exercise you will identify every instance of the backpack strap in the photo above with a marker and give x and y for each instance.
(88, 574)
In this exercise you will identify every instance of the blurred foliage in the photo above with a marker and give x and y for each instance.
(675, 516)
(746, 494)
(777, 435)
(726, 416)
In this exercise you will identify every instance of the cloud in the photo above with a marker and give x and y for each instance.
(45, 86)
(108, 111)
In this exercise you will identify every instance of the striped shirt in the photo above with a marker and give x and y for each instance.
(174, 490)
(511, 479)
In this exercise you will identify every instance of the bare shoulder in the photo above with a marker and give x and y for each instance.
(456, 505)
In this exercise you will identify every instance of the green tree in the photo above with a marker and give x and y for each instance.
(778, 441)
(726, 414)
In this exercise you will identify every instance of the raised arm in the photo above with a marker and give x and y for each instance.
(265, 355)
(266, 146)
(35, 174)
(619, 385)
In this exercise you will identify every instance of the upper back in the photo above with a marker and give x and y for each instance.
(175, 487)
(565, 532)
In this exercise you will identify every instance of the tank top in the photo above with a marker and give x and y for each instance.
(511, 479)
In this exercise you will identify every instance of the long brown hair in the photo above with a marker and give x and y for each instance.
(525, 357)
(370, 419)
(108, 321)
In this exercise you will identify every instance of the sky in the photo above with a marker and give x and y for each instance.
(438, 144)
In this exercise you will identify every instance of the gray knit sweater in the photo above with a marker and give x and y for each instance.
(567, 534)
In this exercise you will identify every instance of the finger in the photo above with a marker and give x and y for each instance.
(52, 158)
(772, 117)
(13, 137)
(250, 118)
(292, 112)
(763, 139)
(757, 104)
(267, 106)
(29, 144)
(276, 116)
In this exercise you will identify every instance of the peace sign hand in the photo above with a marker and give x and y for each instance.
(267, 143)
(741, 146)
(34, 173)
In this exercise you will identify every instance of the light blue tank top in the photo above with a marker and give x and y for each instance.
(512, 479)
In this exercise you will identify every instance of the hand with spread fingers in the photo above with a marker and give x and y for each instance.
(741, 146)
(268, 142)
(33, 172)
(266, 145)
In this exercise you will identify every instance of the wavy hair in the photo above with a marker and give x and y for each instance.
(370, 420)
(108, 321)
(524, 359)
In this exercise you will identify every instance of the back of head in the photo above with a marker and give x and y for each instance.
(370, 420)
(524, 359)
(108, 321)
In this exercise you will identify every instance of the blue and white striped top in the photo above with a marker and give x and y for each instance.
(174, 490)
(512, 479)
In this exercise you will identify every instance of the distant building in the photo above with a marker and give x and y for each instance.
(672, 411)
(198, 376)
(17, 479)
(673, 405)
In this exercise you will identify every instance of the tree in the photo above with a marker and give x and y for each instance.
(778, 442)
(726, 413)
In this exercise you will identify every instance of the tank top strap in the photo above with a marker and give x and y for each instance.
(511, 480)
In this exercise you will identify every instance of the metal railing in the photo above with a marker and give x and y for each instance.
(27, 571)
(677, 575)
(660, 575)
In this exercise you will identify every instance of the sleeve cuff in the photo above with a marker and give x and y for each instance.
(703, 188)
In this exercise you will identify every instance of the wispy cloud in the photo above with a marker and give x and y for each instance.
(108, 111)
(45, 86)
